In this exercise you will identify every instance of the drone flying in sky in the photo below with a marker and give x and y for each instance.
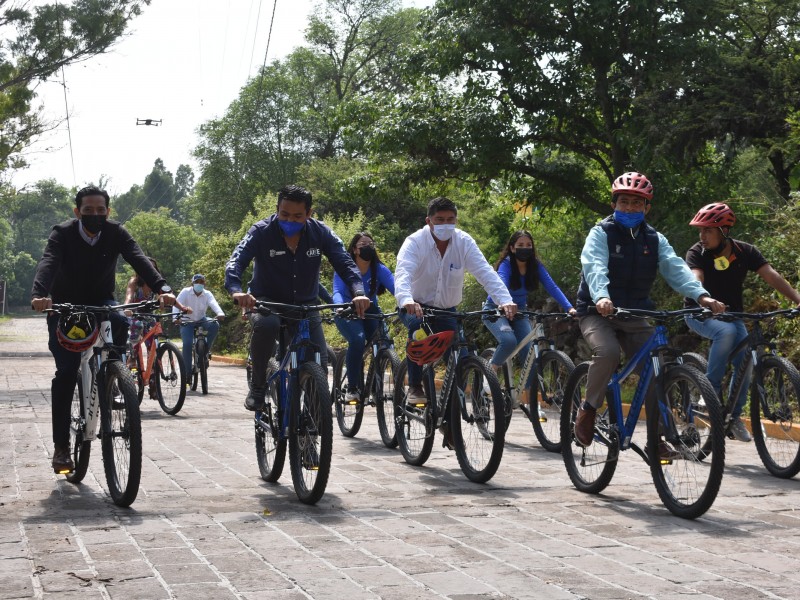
(152, 122)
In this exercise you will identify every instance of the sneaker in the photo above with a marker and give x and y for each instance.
(584, 424)
(416, 395)
(255, 399)
(739, 431)
(352, 396)
(62, 461)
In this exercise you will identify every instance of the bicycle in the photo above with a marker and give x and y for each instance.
(684, 409)
(297, 407)
(377, 386)
(201, 355)
(551, 367)
(774, 394)
(163, 369)
(462, 409)
(105, 383)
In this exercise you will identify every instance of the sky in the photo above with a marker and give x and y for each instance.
(182, 61)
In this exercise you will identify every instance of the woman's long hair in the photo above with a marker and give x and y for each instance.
(139, 281)
(374, 285)
(531, 273)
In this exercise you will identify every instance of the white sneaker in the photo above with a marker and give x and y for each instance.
(352, 396)
(739, 431)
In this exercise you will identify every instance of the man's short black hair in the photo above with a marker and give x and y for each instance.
(439, 204)
(89, 190)
(295, 193)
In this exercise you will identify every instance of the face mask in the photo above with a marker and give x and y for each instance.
(627, 219)
(291, 228)
(93, 223)
(444, 232)
(367, 253)
(198, 288)
(523, 254)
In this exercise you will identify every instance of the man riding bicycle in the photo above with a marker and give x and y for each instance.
(199, 300)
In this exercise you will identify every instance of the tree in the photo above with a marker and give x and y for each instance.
(159, 189)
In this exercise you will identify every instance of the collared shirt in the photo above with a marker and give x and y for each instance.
(423, 275)
(86, 237)
(199, 303)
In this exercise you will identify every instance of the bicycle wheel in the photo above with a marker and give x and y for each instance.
(686, 485)
(121, 434)
(383, 395)
(547, 397)
(137, 371)
(169, 375)
(477, 419)
(590, 469)
(414, 424)
(202, 364)
(508, 406)
(270, 447)
(311, 433)
(775, 416)
(348, 414)
(81, 450)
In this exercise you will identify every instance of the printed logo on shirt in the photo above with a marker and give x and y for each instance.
(311, 252)
(274, 253)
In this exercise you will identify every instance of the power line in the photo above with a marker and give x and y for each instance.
(66, 103)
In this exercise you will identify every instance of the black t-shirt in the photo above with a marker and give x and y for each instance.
(725, 286)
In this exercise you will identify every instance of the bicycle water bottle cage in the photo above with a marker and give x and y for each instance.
(429, 349)
(77, 332)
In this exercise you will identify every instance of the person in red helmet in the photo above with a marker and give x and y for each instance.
(620, 260)
(721, 264)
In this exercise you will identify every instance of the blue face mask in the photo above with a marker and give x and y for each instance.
(627, 219)
(198, 288)
(291, 228)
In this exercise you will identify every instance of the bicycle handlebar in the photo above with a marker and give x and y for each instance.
(268, 308)
(70, 308)
(658, 315)
(758, 316)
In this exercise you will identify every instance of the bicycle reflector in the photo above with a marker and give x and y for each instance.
(429, 349)
(77, 332)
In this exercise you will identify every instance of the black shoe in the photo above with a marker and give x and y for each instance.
(447, 437)
(584, 425)
(62, 461)
(666, 453)
(255, 399)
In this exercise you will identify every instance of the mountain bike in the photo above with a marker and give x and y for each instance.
(297, 406)
(381, 364)
(105, 395)
(774, 394)
(158, 365)
(469, 409)
(682, 408)
(551, 367)
(201, 355)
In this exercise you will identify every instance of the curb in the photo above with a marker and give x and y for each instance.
(229, 360)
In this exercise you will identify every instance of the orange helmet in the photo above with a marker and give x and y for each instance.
(77, 331)
(632, 183)
(714, 215)
(429, 349)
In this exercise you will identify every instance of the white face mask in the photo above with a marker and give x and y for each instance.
(198, 287)
(444, 232)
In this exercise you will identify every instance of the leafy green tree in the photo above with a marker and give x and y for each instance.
(159, 189)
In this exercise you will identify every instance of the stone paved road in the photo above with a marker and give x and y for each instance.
(206, 526)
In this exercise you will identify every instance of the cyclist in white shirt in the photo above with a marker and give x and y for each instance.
(199, 300)
(430, 273)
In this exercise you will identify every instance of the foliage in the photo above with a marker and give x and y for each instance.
(160, 189)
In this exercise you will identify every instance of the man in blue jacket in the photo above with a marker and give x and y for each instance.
(286, 249)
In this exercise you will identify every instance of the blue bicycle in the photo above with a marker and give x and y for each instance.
(297, 407)
(684, 424)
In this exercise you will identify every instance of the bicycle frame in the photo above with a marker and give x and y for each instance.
(152, 334)
(90, 374)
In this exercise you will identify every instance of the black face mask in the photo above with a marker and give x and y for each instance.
(93, 223)
(366, 253)
(523, 254)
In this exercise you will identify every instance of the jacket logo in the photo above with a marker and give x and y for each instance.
(619, 248)
(274, 253)
(313, 252)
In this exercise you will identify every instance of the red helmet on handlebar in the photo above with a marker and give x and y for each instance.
(77, 332)
(429, 349)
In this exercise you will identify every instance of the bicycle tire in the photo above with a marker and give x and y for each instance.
(591, 476)
(202, 364)
(121, 434)
(478, 435)
(310, 433)
(81, 450)
(137, 371)
(169, 374)
(414, 425)
(270, 446)
(685, 483)
(508, 405)
(348, 416)
(547, 396)
(775, 416)
(383, 394)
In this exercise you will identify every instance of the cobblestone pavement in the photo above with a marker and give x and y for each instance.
(206, 526)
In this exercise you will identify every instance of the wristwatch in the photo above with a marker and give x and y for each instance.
(165, 289)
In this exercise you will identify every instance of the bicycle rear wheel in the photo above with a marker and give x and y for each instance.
(121, 434)
(686, 485)
(592, 468)
(477, 419)
(414, 424)
(775, 416)
(311, 433)
(136, 371)
(81, 449)
(546, 398)
(169, 375)
(202, 364)
(508, 406)
(270, 447)
(348, 414)
(383, 395)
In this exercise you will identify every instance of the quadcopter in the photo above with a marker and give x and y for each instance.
(153, 122)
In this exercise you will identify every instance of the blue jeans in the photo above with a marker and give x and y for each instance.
(187, 337)
(724, 336)
(357, 332)
(436, 324)
(508, 335)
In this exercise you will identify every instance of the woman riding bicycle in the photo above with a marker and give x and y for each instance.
(377, 278)
(521, 271)
(721, 264)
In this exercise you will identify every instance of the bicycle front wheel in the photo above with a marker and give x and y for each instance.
(81, 449)
(589, 468)
(121, 433)
(414, 424)
(348, 414)
(270, 445)
(775, 416)
(170, 378)
(548, 396)
(311, 433)
(383, 395)
(676, 438)
(202, 364)
(477, 419)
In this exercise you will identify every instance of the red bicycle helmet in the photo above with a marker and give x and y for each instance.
(429, 349)
(714, 215)
(632, 183)
(77, 332)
